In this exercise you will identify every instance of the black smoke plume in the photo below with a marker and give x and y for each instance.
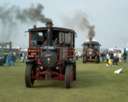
(80, 22)
(12, 18)
(32, 14)
(15, 13)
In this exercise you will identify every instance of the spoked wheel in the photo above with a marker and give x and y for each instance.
(74, 71)
(28, 76)
(84, 59)
(97, 59)
(68, 75)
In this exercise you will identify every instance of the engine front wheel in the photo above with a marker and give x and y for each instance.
(74, 71)
(84, 59)
(28, 76)
(97, 59)
(68, 75)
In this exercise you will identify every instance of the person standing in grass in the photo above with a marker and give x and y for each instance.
(10, 59)
(115, 58)
(125, 55)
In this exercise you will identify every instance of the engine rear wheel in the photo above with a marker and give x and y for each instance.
(68, 75)
(28, 76)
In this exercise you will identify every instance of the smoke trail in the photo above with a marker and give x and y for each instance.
(80, 22)
(13, 18)
(32, 14)
(91, 33)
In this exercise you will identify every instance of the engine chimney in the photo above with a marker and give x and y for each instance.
(49, 24)
(34, 26)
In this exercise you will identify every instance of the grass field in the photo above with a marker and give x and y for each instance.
(95, 83)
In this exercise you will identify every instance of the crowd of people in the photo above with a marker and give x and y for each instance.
(12, 57)
(110, 56)
(114, 57)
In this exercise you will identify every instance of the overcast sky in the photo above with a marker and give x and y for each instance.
(110, 18)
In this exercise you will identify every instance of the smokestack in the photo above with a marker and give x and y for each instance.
(49, 24)
(34, 26)
(50, 35)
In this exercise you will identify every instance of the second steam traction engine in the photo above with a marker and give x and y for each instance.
(91, 51)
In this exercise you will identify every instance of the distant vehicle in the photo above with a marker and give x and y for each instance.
(2, 57)
(5, 47)
(51, 55)
(91, 51)
(2, 60)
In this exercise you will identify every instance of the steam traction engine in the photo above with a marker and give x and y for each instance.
(51, 55)
(91, 51)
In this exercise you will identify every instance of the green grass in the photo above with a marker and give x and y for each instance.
(95, 83)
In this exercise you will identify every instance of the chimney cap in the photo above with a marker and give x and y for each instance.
(34, 26)
(49, 24)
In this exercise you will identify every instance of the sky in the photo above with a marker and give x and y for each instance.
(110, 18)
